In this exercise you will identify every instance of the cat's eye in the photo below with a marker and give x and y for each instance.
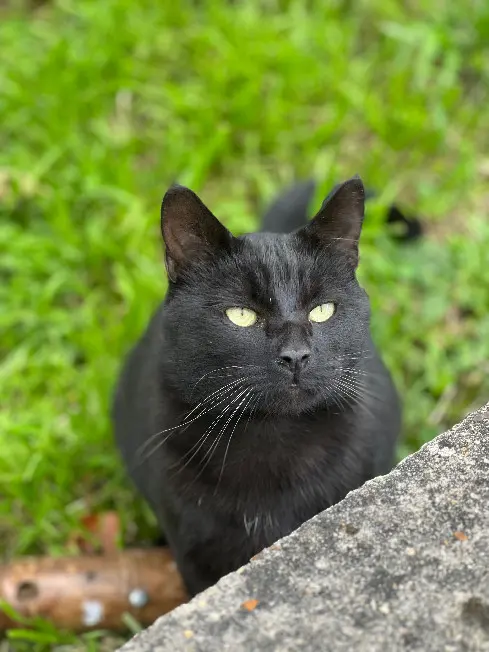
(242, 316)
(322, 313)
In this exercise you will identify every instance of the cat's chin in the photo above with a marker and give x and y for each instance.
(293, 401)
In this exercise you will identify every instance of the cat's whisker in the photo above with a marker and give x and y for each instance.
(206, 435)
(213, 371)
(333, 394)
(342, 239)
(211, 403)
(216, 395)
(355, 352)
(355, 371)
(343, 382)
(355, 394)
(207, 405)
(186, 420)
(201, 442)
(248, 396)
(253, 410)
(214, 446)
(358, 355)
(363, 389)
(357, 375)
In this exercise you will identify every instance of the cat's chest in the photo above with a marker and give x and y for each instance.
(262, 528)
(269, 480)
(261, 515)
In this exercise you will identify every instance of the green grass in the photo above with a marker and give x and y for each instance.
(104, 104)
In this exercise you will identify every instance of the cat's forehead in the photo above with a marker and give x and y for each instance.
(274, 267)
(274, 256)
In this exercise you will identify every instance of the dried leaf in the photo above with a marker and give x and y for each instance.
(99, 532)
(250, 605)
(461, 536)
(109, 531)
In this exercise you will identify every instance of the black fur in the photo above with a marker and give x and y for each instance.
(308, 411)
(290, 211)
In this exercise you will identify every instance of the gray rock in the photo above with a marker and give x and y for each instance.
(400, 564)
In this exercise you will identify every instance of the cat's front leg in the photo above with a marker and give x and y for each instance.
(197, 576)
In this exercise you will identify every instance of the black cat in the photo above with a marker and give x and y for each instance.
(256, 397)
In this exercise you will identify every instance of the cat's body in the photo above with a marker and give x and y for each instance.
(281, 418)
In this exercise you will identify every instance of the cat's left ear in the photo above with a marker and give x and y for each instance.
(339, 221)
(190, 231)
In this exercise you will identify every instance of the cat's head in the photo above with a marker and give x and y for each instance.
(272, 321)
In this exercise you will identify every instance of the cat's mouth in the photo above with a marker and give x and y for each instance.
(296, 389)
(298, 383)
(292, 398)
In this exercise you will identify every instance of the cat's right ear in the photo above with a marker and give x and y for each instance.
(190, 231)
(339, 221)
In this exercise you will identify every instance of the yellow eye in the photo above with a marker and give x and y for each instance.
(322, 313)
(242, 316)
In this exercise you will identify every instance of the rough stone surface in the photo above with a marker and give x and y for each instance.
(400, 564)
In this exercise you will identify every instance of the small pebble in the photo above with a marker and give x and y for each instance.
(138, 598)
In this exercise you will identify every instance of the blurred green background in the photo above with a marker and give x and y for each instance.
(104, 104)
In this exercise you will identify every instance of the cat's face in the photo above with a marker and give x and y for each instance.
(271, 322)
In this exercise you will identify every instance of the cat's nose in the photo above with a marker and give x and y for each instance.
(294, 359)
